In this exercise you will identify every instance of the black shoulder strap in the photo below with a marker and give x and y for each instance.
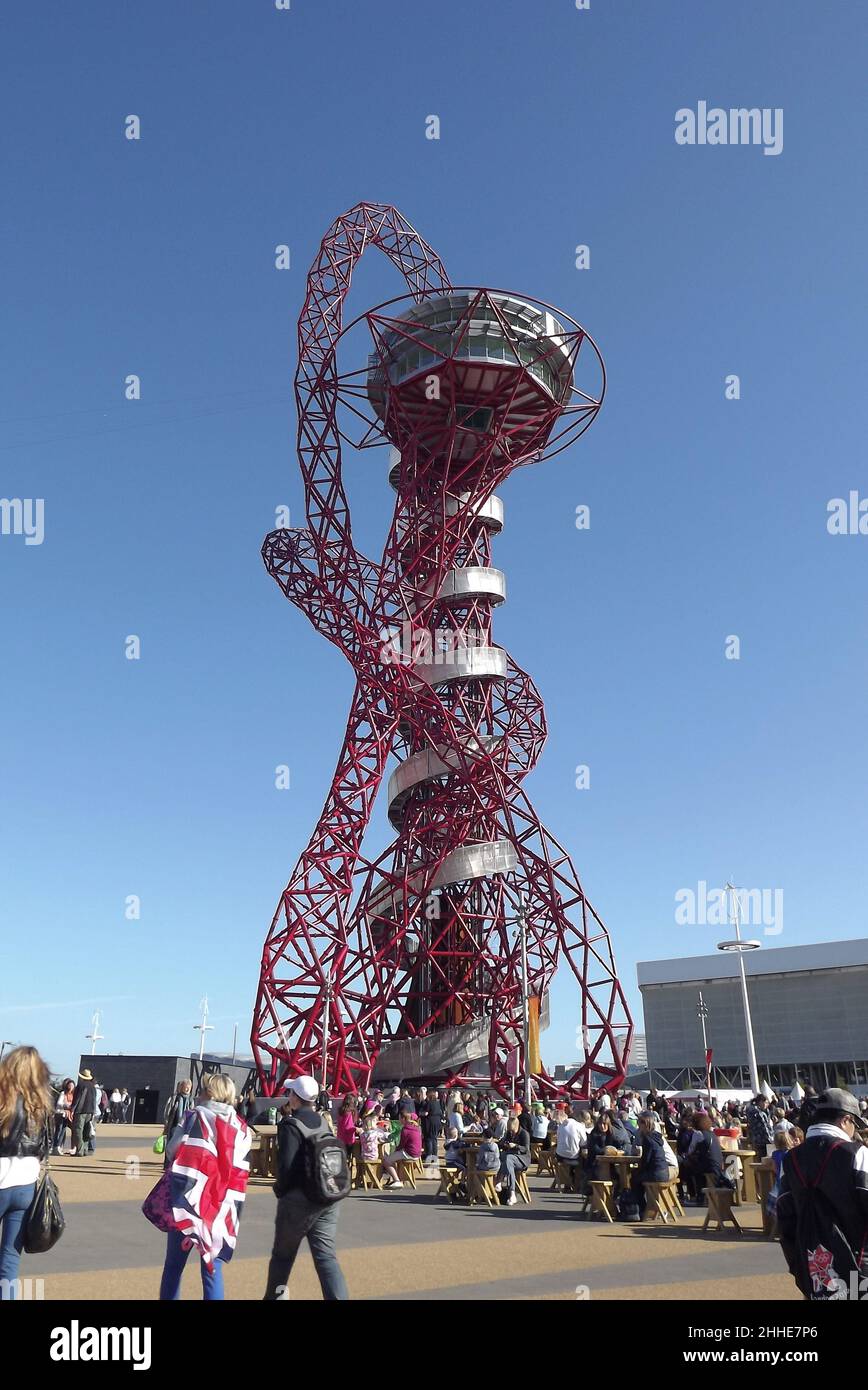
(818, 1179)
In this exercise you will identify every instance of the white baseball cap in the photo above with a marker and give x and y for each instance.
(305, 1087)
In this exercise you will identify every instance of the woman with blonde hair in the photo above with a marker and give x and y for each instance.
(25, 1139)
(206, 1182)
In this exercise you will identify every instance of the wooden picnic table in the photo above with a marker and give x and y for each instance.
(609, 1164)
(263, 1160)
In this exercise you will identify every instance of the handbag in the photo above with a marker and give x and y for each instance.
(44, 1223)
(157, 1206)
(160, 1144)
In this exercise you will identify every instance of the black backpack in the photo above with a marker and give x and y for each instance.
(627, 1205)
(826, 1258)
(326, 1171)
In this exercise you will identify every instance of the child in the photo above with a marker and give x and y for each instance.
(370, 1138)
(454, 1153)
(488, 1154)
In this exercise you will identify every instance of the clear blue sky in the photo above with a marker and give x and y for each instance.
(708, 517)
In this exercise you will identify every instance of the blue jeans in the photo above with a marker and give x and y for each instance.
(297, 1218)
(176, 1259)
(14, 1204)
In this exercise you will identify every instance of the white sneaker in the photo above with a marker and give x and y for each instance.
(511, 1200)
(498, 1186)
(396, 1183)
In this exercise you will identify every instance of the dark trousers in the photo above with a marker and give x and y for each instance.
(81, 1144)
(297, 1219)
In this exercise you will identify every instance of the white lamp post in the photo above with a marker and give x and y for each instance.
(94, 1036)
(739, 947)
(203, 1027)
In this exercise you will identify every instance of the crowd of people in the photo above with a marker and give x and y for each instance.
(817, 1144)
(79, 1106)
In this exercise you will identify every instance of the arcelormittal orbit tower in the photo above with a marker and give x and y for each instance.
(409, 965)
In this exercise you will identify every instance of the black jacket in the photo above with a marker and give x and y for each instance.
(84, 1100)
(597, 1142)
(707, 1157)
(518, 1145)
(18, 1143)
(430, 1114)
(831, 1164)
(290, 1147)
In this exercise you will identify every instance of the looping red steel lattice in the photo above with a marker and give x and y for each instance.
(406, 966)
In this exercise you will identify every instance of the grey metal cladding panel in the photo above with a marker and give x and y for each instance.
(818, 1017)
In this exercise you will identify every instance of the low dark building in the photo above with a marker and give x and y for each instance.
(152, 1080)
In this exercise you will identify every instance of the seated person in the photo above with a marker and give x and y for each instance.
(409, 1148)
(653, 1164)
(498, 1124)
(606, 1134)
(488, 1155)
(371, 1137)
(702, 1166)
(454, 1151)
(514, 1158)
(539, 1123)
(571, 1140)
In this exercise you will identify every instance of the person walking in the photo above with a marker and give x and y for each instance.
(175, 1111)
(63, 1116)
(299, 1215)
(822, 1206)
(208, 1154)
(84, 1109)
(115, 1106)
(25, 1139)
(430, 1113)
(125, 1106)
(760, 1126)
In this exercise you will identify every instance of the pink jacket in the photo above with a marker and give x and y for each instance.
(346, 1128)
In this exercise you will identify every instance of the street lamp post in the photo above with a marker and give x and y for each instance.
(739, 946)
(203, 1027)
(525, 1001)
(94, 1036)
(327, 1012)
(702, 1014)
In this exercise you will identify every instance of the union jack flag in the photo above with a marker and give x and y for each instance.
(209, 1181)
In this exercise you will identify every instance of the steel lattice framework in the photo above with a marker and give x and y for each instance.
(405, 965)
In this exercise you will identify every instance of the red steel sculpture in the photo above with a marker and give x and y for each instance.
(408, 965)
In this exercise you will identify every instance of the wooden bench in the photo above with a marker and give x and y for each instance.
(656, 1203)
(720, 1200)
(601, 1198)
(673, 1201)
(547, 1162)
(409, 1169)
(450, 1179)
(370, 1174)
(484, 1188)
